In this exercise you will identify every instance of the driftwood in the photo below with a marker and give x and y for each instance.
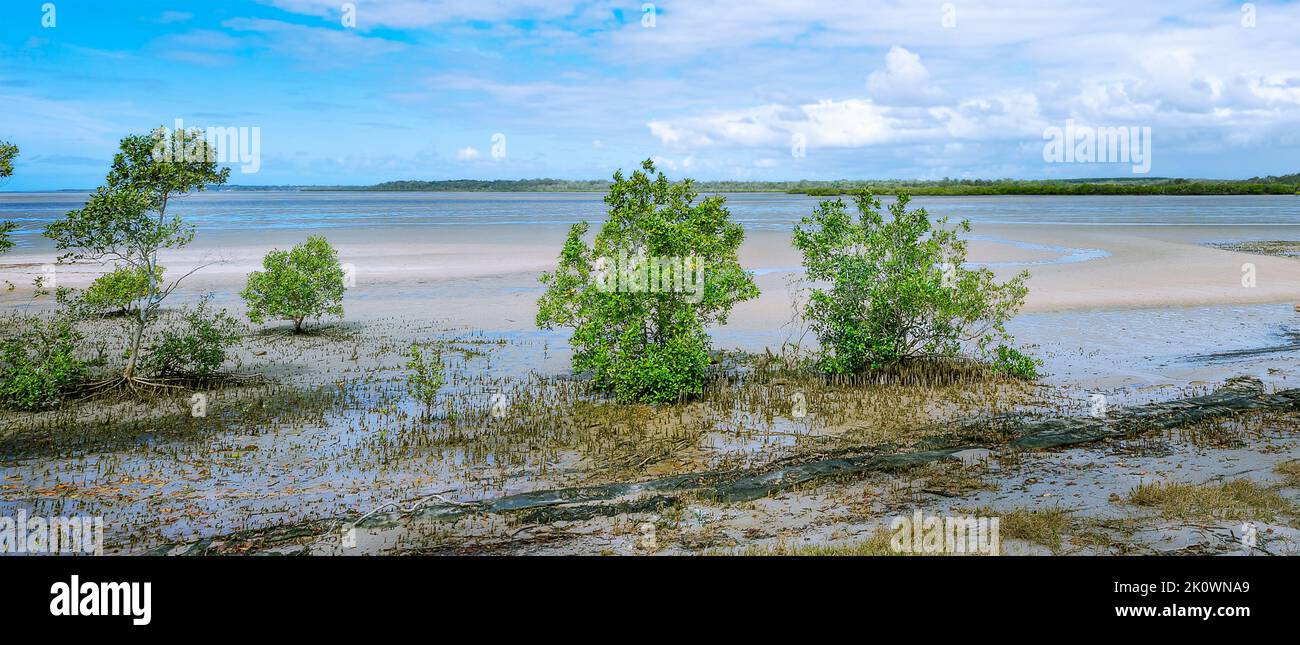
(1237, 396)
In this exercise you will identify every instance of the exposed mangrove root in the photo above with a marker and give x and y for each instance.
(543, 507)
(139, 386)
(1240, 394)
(249, 541)
(1237, 396)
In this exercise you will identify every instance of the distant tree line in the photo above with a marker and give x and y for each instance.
(1272, 185)
(1108, 187)
(484, 186)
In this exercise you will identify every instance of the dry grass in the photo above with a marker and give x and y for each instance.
(1290, 472)
(1044, 526)
(1240, 499)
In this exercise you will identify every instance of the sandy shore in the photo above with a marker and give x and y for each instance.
(486, 275)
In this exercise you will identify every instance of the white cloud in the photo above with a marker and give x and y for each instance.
(827, 123)
(468, 153)
(851, 123)
(664, 163)
(904, 81)
(902, 107)
(669, 134)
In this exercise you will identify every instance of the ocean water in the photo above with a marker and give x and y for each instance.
(252, 211)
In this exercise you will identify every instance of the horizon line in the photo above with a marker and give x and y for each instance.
(743, 182)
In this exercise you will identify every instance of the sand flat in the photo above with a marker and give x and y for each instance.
(1154, 266)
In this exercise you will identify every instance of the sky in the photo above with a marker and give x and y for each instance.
(376, 90)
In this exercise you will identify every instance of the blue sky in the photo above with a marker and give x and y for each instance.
(715, 90)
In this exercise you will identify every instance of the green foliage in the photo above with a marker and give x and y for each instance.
(5, 229)
(295, 285)
(199, 348)
(116, 291)
(894, 289)
(647, 345)
(125, 221)
(426, 376)
(7, 153)
(38, 362)
(1012, 362)
(664, 372)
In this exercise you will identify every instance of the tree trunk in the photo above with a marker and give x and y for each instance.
(131, 360)
(297, 325)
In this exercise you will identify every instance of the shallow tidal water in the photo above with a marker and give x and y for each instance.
(230, 211)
